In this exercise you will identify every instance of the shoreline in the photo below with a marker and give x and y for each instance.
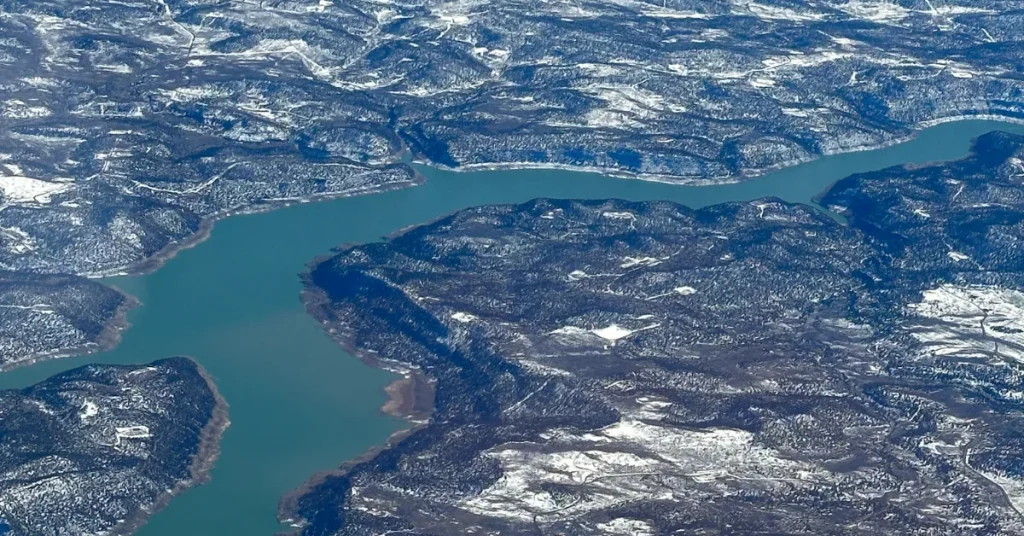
(110, 335)
(199, 468)
(168, 252)
(404, 398)
(741, 176)
(410, 397)
(971, 152)
(400, 391)
(287, 508)
(154, 262)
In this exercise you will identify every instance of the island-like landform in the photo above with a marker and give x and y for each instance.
(97, 449)
(610, 367)
(126, 126)
(44, 316)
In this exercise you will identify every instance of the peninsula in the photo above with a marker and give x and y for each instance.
(49, 315)
(97, 449)
(612, 367)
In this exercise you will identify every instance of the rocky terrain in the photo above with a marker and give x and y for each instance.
(48, 315)
(608, 367)
(127, 127)
(124, 124)
(97, 449)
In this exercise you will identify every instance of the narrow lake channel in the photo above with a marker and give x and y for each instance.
(298, 403)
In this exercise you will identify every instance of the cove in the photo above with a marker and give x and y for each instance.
(298, 403)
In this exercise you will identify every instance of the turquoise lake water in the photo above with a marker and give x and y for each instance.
(298, 403)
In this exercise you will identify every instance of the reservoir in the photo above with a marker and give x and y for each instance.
(298, 403)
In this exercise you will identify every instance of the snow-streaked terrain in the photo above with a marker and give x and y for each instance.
(45, 316)
(984, 321)
(97, 449)
(165, 113)
(745, 368)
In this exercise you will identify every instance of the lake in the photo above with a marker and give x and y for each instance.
(298, 403)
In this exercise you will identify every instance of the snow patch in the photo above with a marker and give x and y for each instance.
(625, 526)
(612, 332)
(614, 465)
(630, 262)
(576, 275)
(89, 410)
(463, 317)
(16, 240)
(885, 12)
(458, 20)
(131, 432)
(20, 189)
(973, 321)
(767, 12)
(571, 332)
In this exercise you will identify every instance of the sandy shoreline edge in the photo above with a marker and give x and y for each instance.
(409, 397)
